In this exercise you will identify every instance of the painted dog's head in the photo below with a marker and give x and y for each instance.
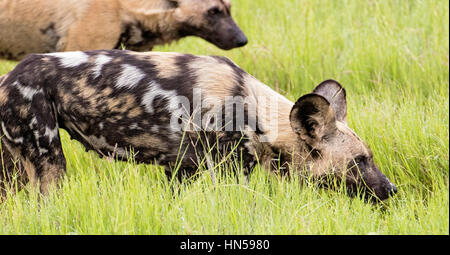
(319, 120)
(210, 20)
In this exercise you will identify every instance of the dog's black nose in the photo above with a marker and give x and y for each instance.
(393, 190)
(241, 40)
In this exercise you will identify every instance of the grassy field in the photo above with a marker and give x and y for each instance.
(393, 59)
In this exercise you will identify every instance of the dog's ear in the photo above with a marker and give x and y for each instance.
(227, 4)
(312, 118)
(335, 94)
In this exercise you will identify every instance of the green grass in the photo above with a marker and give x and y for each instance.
(393, 59)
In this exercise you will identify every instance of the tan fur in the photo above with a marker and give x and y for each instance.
(3, 93)
(23, 111)
(125, 104)
(2, 78)
(282, 132)
(214, 77)
(106, 92)
(25, 162)
(134, 112)
(273, 113)
(87, 92)
(165, 62)
(21, 22)
(50, 178)
(146, 139)
(31, 171)
(3, 96)
(83, 24)
(97, 27)
(165, 65)
(122, 105)
(12, 173)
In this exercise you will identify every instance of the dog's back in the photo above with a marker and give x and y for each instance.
(109, 101)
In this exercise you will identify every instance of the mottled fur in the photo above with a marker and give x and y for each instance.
(42, 26)
(114, 101)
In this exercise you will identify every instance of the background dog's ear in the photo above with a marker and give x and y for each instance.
(336, 95)
(312, 117)
(227, 4)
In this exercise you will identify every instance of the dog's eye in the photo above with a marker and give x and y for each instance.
(173, 4)
(214, 11)
(359, 161)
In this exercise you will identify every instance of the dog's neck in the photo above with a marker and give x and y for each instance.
(147, 25)
(154, 15)
(142, 31)
(277, 139)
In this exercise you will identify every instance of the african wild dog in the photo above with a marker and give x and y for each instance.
(163, 105)
(32, 26)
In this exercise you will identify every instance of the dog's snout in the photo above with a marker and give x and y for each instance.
(241, 40)
(393, 190)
